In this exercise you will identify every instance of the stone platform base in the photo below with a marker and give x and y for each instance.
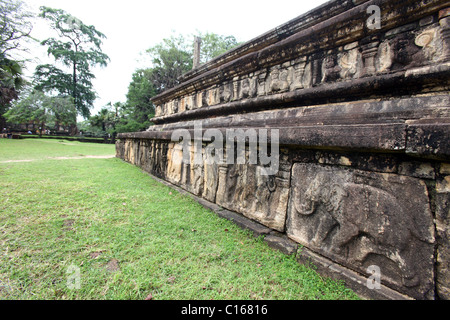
(278, 241)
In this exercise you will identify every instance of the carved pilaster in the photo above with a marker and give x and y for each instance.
(369, 52)
(444, 22)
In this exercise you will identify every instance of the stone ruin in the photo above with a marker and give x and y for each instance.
(358, 94)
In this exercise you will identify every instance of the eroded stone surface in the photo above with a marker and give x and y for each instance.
(443, 231)
(363, 218)
(244, 189)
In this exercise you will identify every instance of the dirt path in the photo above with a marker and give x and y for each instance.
(62, 158)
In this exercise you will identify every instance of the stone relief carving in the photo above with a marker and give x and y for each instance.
(399, 50)
(226, 92)
(159, 153)
(428, 40)
(330, 68)
(350, 63)
(278, 80)
(361, 218)
(406, 53)
(444, 33)
(297, 72)
(244, 189)
(210, 177)
(369, 51)
(261, 84)
(236, 87)
(247, 88)
(158, 111)
(187, 175)
(385, 57)
(211, 97)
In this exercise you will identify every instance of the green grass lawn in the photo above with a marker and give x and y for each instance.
(32, 149)
(127, 235)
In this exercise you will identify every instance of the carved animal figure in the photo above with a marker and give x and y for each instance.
(366, 217)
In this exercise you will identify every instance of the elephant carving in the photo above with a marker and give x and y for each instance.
(357, 219)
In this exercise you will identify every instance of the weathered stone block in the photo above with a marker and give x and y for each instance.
(429, 140)
(360, 219)
(245, 189)
(443, 231)
(286, 246)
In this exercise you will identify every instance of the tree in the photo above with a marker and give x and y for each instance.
(170, 59)
(213, 45)
(10, 81)
(78, 49)
(47, 111)
(138, 110)
(15, 28)
(107, 119)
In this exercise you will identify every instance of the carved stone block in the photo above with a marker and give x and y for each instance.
(244, 189)
(443, 231)
(361, 219)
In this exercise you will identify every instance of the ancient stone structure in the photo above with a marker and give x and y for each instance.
(359, 94)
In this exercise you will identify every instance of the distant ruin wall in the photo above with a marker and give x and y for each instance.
(359, 108)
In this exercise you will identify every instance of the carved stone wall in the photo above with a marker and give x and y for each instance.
(363, 117)
(361, 218)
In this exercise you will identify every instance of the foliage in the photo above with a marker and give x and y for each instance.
(78, 49)
(106, 119)
(138, 110)
(11, 81)
(170, 59)
(214, 45)
(173, 57)
(42, 109)
(15, 26)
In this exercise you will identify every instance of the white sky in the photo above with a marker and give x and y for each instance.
(133, 26)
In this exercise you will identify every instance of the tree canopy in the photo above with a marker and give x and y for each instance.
(47, 111)
(169, 59)
(173, 57)
(15, 28)
(78, 49)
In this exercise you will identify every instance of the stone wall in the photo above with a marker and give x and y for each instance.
(363, 118)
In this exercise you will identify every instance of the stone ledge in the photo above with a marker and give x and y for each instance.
(378, 85)
(286, 246)
(245, 223)
(352, 280)
(321, 13)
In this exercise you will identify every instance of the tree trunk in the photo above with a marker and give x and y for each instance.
(41, 129)
(75, 93)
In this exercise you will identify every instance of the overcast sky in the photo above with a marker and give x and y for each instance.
(133, 26)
